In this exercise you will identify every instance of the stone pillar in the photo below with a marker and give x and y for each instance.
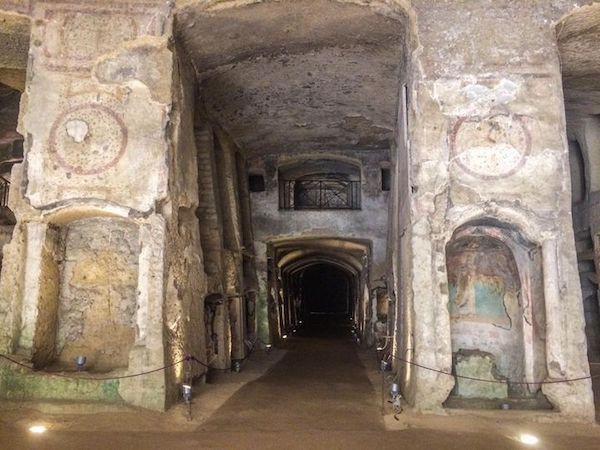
(35, 236)
(566, 349)
(264, 323)
(12, 279)
(235, 300)
(94, 114)
(232, 236)
(149, 351)
(555, 332)
(488, 142)
(11, 291)
(40, 295)
(209, 211)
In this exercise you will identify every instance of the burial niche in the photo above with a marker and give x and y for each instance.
(497, 323)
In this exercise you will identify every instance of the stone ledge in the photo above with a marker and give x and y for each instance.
(17, 384)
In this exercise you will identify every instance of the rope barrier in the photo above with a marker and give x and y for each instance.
(191, 358)
(197, 361)
(147, 372)
(72, 377)
(465, 377)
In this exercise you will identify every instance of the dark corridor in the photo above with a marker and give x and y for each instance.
(325, 290)
(326, 302)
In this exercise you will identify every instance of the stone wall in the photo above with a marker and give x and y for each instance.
(82, 119)
(185, 274)
(97, 300)
(370, 222)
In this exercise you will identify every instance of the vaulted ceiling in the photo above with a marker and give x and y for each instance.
(298, 75)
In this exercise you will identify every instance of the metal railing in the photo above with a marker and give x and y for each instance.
(4, 188)
(319, 194)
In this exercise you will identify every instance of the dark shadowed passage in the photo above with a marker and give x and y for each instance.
(326, 290)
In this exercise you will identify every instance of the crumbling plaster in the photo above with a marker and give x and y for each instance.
(87, 132)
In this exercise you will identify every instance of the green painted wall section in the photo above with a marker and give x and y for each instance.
(489, 300)
(17, 384)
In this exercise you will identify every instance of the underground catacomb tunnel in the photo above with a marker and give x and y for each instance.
(324, 289)
(318, 285)
(321, 298)
(186, 184)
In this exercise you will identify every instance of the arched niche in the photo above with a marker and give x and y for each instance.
(98, 291)
(497, 317)
(578, 173)
(87, 298)
(291, 259)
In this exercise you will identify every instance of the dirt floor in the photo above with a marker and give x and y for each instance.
(320, 392)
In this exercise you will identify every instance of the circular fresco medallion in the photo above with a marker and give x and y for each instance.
(490, 147)
(88, 139)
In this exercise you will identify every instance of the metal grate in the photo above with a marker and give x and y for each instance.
(319, 194)
(4, 188)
